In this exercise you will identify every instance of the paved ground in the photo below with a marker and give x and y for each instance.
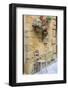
(51, 69)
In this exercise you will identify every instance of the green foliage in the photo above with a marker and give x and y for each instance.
(49, 18)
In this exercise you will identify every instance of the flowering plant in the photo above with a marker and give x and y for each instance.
(41, 25)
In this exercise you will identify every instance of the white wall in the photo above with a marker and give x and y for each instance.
(4, 44)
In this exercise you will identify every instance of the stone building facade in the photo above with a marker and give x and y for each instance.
(39, 53)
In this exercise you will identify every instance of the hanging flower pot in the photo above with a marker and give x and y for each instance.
(40, 25)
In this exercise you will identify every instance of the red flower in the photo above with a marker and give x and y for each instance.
(41, 18)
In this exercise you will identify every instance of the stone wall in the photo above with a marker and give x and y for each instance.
(33, 42)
